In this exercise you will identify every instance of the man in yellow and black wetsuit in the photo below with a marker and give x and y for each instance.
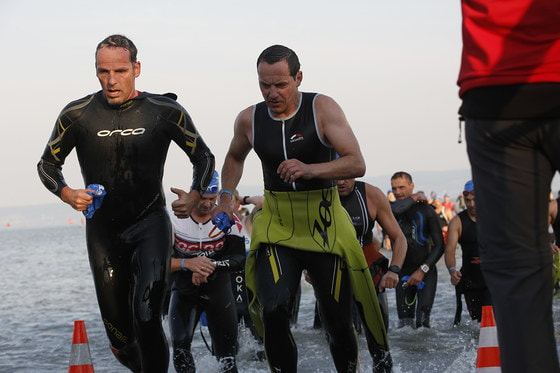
(302, 224)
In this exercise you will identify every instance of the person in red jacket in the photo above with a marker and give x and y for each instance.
(510, 87)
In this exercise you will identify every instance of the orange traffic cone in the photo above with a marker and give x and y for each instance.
(80, 358)
(488, 359)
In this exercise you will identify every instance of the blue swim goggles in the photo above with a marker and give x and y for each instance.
(223, 222)
(98, 194)
(404, 280)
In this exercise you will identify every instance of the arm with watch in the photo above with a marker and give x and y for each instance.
(433, 229)
(257, 201)
(379, 207)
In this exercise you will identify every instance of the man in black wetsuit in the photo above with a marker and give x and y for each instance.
(121, 138)
(367, 204)
(421, 228)
(469, 280)
(302, 224)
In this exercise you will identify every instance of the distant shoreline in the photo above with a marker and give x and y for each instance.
(60, 214)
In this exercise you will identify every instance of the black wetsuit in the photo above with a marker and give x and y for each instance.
(420, 225)
(472, 283)
(129, 238)
(356, 205)
(215, 297)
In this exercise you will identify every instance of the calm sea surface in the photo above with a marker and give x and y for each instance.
(46, 284)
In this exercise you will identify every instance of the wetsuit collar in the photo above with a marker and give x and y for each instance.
(140, 95)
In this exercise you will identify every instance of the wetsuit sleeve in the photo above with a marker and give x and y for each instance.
(185, 135)
(399, 207)
(233, 256)
(61, 142)
(436, 235)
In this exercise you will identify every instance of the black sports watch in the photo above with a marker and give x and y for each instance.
(395, 269)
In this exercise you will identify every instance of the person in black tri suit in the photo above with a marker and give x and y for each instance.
(468, 280)
(302, 224)
(121, 138)
(367, 204)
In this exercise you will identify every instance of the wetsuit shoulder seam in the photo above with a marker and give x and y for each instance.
(76, 109)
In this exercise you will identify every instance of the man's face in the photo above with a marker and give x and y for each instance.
(207, 203)
(401, 188)
(116, 74)
(279, 89)
(469, 203)
(345, 187)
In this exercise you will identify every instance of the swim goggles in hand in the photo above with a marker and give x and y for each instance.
(222, 221)
(404, 280)
(98, 194)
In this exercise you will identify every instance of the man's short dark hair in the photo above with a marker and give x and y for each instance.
(402, 174)
(119, 41)
(278, 53)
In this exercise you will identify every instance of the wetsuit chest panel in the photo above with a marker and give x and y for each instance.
(124, 149)
(119, 146)
(276, 140)
(356, 205)
(415, 226)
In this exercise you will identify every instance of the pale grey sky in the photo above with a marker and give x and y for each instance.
(391, 65)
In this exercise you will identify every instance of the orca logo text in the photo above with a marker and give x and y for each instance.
(126, 132)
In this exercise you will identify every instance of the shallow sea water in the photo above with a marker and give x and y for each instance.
(47, 284)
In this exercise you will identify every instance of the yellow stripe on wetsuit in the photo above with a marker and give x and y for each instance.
(274, 264)
(337, 280)
(190, 144)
